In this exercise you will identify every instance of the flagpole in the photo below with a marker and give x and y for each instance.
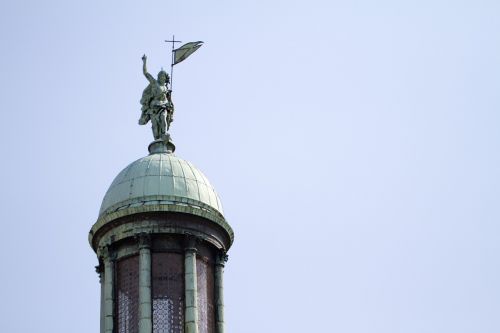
(173, 41)
(172, 65)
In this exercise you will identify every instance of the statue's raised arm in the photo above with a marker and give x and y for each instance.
(145, 70)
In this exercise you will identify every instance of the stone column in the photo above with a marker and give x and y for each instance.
(109, 273)
(145, 324)
(100, 270)
(191, 291)
(219, 292)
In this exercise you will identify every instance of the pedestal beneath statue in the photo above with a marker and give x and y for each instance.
(164, 145)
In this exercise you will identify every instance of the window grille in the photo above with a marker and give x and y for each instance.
(127, 295)
(206, 299)
(168, 292)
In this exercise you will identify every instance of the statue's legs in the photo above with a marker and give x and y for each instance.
(155, 131)
(158, 124)
(163, 124)
(154, 125)
(169, 118)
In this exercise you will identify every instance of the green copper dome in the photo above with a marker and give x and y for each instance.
(160, 179)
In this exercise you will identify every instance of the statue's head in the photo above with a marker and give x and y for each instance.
(163, 77)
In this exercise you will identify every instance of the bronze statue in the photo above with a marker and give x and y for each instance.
(157, 103)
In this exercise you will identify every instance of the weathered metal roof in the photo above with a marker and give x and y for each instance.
(158, 179)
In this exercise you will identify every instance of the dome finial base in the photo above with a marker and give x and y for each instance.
(163, 145)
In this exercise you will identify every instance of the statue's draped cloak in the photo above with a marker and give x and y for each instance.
(147, 97)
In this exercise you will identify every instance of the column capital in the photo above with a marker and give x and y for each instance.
(106, 253)
(221, 258)
(191, 243)
(143, 240)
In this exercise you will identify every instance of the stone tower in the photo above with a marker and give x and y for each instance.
(161, 241)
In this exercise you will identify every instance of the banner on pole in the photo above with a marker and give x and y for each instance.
(185, 51)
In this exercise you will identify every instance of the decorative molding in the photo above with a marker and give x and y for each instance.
(206, 213)
(131, 229)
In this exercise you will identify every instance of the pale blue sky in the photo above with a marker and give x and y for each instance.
(354, 145)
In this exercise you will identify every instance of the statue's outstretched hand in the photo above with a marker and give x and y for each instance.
(144, 57)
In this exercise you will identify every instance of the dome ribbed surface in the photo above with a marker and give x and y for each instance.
(156, 179)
